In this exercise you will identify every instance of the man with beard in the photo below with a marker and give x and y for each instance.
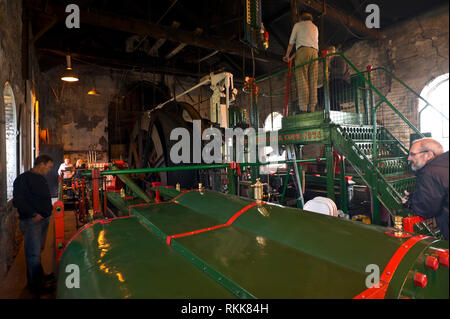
(430, 198)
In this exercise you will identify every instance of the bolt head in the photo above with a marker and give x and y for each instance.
(420, 280)
(443, 260)
(432, 263)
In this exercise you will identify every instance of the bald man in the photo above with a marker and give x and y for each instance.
(430, 198)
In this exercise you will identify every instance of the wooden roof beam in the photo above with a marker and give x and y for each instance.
(141, 27)
(342, 17)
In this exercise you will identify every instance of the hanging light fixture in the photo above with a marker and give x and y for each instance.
(69, 75)
(94, 90)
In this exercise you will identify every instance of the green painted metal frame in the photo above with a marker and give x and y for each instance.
(411, 90)
(380, 188)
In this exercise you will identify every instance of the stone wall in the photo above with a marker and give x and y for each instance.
(11, 72)
(416, 51)
(78, 122)
(75, 120)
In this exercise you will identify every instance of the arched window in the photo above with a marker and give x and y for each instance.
(274, 118)
(430, 117)
(11, 138)
(273, 123)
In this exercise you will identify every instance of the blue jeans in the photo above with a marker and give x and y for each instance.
(35, 234)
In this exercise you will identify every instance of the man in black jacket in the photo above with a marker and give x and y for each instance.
(430, 198)
(33, 202)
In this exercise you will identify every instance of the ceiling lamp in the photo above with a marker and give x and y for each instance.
(93, 92)
(69, 75)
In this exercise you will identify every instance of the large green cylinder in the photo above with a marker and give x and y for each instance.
(262, 251)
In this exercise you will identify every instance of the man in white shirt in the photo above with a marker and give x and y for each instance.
(305, 36)
(67, 168)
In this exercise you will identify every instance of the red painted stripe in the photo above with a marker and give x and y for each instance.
(185, 192)
(398, 256)
(169, 238)
(166, 202)
(239, 213)
(388, 273)
(228, 223)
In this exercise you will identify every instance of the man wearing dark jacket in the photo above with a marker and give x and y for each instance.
(430, 198)
(33, 202)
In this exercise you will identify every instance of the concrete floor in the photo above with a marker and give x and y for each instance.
(14, 283)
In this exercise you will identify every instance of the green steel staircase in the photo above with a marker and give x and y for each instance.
(388, 174)
(377, 156)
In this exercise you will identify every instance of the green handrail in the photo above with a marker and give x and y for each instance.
(191, 167)
(287, 69)
(358, 73)
(411, 90)
(378, 93)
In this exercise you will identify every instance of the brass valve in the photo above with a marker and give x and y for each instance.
(258, 190)
(200, 188)
(398, 225)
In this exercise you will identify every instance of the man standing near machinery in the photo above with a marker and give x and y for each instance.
(67, 171)
(430, 198)
(305, 36)
(33, 202)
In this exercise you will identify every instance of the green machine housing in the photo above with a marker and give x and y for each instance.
(206, 244)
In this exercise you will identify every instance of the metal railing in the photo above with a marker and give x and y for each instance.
(358, 91)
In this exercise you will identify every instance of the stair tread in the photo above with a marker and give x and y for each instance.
(395, 178)
(371, 141)
(390, 158)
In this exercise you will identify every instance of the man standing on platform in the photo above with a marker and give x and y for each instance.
(305, 36)
(33, 202)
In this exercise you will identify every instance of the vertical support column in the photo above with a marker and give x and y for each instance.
(95, 190)
(105, 198)
(294, 12)
(286, 181)
(356, 92)
(231, 182)
(372, 114)
(375, 205)
(254, 172)
(371, 103)
(60, 188)
(330, 171)
(326, 87)
(293, 156)
(298, 154)
(82, 217)
(58, 213)
(254, 107)
(365, 103)
(343, 186)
